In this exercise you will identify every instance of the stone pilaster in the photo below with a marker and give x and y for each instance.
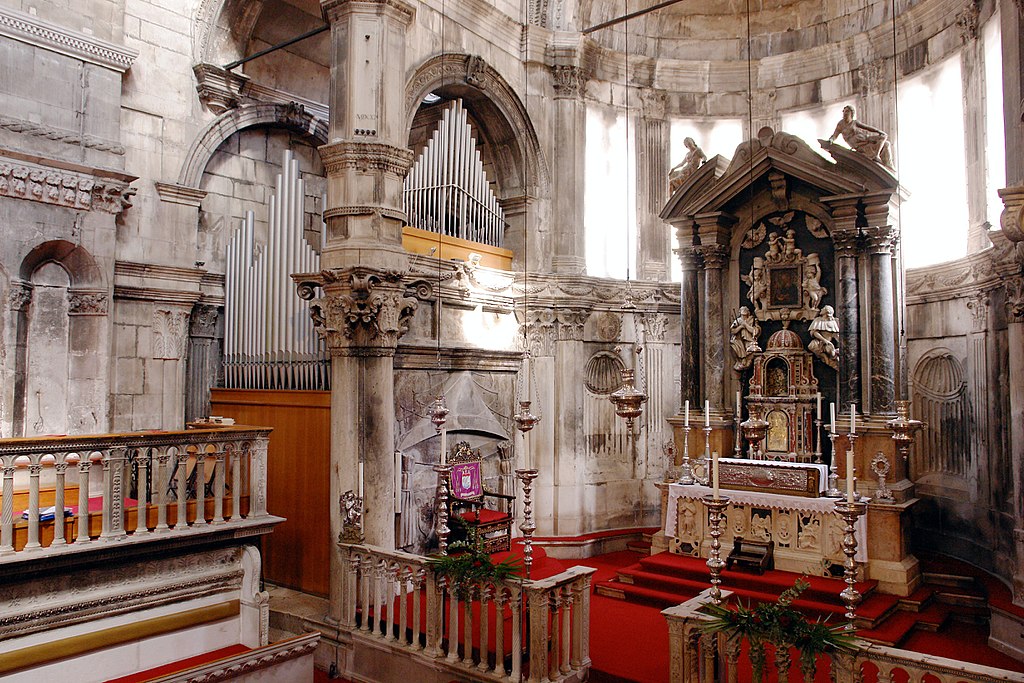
(1011, 26)
(652, 166)
(978, 372)
(202, 362)
(972, 70)
(570, 130)
(1015, 349)
(883, 334)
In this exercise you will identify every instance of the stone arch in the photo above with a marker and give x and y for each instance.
(221, 29)
(290, 116)
(74, 258)
(502, 115)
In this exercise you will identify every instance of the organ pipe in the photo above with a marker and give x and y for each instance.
(269, 340)
(447, 189)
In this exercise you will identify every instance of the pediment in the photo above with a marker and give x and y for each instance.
(720, 182)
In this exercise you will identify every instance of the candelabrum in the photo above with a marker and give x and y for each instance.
(852, 439)
(833, 473)
(903, 430)
(686, 475)
(669, 449)
(817, 442)
(850, 596)
(444, 473)
(527, 527)
(738, 431)
(880, 466)
(755, 429)
(704, 478)
(715, 506)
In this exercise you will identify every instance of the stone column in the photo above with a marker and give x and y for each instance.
(1011, 21)
(845, 236)
(715, 232)
(364, 309)
(972, 70)
(1015, 351)
(883, 333)
(570, 136)
(689, 342)
(652, 166)
(202, 362)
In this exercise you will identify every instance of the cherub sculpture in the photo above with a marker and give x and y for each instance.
(861, 137)
(812, 280)
(757, 283)
(824, 331)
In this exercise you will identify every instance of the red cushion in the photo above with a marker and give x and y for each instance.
(486, 516)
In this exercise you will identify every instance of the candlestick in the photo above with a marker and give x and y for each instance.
(714, 474)
(686, 475)
(716, 506)
(737, 404)
(853, 419)
(738, 429)
(833, 472)
(527, 527)
(444, 473)
(444, 445)
(849, 476)
(850, 596)
(832, 416)
(818, 414)
(817, 436)
(687, 411)
(707, 413)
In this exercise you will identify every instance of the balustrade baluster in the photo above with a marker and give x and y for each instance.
(200, 472)
(435, 589)
(181, 514)
(350, 608)
(538, 645)
(141, 457)
(236, 483)
(708, 649)
(390, 584)
(366, 574)
(499, 630)
(555, 608)
(7, 508)
(516, 601)
(60, 467)
(580, 623)
(218, 485)
(453, 625)
(404, 578)
(467, 627)
(419, 578)
(35, 468)
(485, 600)
(732, 658)
(567, 609)
(160, 485)
(84, 466)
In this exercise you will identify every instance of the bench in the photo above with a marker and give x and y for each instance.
(755, 555)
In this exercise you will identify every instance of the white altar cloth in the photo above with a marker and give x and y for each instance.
(822, 469)
(776, 501)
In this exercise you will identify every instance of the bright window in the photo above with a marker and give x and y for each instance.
(995, 150)
(609, 216)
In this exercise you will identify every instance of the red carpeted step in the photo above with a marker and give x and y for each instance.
(934, 617)
(919, 599)
(892, 631)
(642, 547)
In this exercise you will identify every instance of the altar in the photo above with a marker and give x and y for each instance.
(808, 535)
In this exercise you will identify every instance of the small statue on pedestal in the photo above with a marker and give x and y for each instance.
(868, 140)
(744, 330)
(685, 168)
(824, 330)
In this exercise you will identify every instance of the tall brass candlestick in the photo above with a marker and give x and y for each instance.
(444, 473)
(686, 475)
(715, 506)
(850, 595)
(527, 527)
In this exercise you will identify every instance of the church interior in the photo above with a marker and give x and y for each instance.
(470, 340)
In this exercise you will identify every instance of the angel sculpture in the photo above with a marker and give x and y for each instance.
(744, 331)
(757, 283)
(812, 280)
(824, 330)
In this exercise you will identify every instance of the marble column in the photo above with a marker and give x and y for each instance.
(715, 259)
(883, 335)
(1015, 351)
(570, 126)
(364, 309)
(689, 318)
(845, 236)
(203, 361)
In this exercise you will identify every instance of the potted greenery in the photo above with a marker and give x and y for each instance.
(467, 564)
(783, 626)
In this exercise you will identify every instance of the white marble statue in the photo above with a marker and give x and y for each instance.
(757, 281)
(691, 162)
(861, 137)
(824, 331)
(812, 280)
(744, 332)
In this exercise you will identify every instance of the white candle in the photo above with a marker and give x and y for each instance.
(360, 479)
(444, 445)
(853, 419)
(687, 409)
(737, 404)
(832, 416)
(849, 476)
(819, 406)
(707, 413)
(714, 473)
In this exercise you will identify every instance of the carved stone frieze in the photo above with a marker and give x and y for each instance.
(339, 157)
(88, 303)
(169, 333)
(363, 311)
(31, 29)
(73, 189)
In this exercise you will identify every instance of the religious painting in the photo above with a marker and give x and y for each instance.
(778, 432)
(784, 287)
(466, 481)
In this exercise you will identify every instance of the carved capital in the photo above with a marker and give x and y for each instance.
(880, 240)
(655, 326)
(1012, 218)
(654, 102)
(203, 322)
(218, 88)
(1015, 300)
(363, 311)
(569, 81)
(541, 332)
(169, 333)
(19, 295)
(688, 258)
(715, 256)
(87, 303)
(967, 21)
(978, 305)
(571, 322)
(340, 157)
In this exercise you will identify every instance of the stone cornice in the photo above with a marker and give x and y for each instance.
(34, 31)
(180, 194)
(978, 272)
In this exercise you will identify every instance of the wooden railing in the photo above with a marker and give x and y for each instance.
(515, 630)
(65, 492)
(698, 657)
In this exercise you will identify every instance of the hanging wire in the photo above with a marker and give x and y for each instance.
(899, 188)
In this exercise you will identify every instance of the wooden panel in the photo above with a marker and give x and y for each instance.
(296, 555)
(420, 241)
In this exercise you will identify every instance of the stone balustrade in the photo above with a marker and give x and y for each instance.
(515, 630)
(68, 493)
(695, 656)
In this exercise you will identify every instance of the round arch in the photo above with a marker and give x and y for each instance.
(291, 116)
(73, 258)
